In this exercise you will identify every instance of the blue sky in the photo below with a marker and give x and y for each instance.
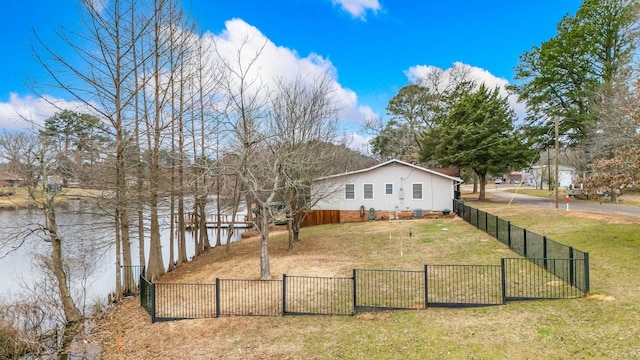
(374, 47)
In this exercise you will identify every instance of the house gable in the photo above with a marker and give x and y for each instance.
(391, 186)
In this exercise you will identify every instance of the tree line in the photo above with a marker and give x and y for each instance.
(169, 119)
(584, 78)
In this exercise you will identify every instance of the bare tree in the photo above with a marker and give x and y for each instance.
(303, 119)
(244, 108)
(99, 71)
(36, 162)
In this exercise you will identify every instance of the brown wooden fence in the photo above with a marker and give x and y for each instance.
(321, 217)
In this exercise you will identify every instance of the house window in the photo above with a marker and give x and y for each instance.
(416, 193)
(349, 191)
(368, 192)
(388, 189)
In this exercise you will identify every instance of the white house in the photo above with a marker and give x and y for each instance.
(393, 188)
(538, 174)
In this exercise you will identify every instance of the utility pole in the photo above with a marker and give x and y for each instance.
(556, 160)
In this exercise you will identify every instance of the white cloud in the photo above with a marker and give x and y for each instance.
(419, 73)
(99, 5)
(358, 8)
(23, 112)
(359, 142)
(29, 112)
(280, 62)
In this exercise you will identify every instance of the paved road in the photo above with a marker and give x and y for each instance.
(504, 196)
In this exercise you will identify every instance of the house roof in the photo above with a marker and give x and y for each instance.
(392, 161)
(10, 177)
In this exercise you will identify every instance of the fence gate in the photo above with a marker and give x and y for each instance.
(130, 277)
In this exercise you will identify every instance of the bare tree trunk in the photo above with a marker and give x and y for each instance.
(126, 252)
(262, 222)
(205, 186)
(197, 225)
(182, 249)
(237, 193)
(118, 243)
(204, 235)
(297, 221)
(73, 318)
(182, 254)
(172, 180)
(290, 232)
(218, 211)
(139, 169)
(156, 263)
(475, 183)
(172, 226)
(482, 178)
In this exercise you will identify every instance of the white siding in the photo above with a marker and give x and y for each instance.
(437, 190)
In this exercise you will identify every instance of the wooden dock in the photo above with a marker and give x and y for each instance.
(215, 220)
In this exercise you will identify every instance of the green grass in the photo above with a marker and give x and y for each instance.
(600, 327)
(603, 326)
(538, 192)
(629, 198)
(20, 198)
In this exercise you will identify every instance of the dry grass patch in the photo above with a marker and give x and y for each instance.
(593, 328)
(601, 297)
(19, 196)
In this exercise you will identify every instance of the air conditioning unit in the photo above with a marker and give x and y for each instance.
(418, 213)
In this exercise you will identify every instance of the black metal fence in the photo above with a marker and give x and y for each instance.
(174, 301)
(147, 296)
(565, 263)
(524, 280)
(464, 285)
(549, 270)
(435, 286)
(388, 289)
(249, 297)
(308, 295)
(130, 276)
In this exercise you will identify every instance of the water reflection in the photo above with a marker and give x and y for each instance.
(89, 250)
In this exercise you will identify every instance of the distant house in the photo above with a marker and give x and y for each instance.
(13, 180)
(394, 189)
(538, 175)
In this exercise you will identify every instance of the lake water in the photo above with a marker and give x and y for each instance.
(89, 250)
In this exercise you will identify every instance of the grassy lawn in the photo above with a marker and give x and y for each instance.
(20, 197)
(632, 198)
(604, 325)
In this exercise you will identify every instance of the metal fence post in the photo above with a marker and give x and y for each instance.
(572, 274)
(509, 234)
(486, 222)
(355, 294)
(142, 296)
(504, 280)
(217, 297)
(524, 242)
(153, 302)
(284, 294)
(426, 287)
(497, 230)
(544, 252)
(586, 274)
